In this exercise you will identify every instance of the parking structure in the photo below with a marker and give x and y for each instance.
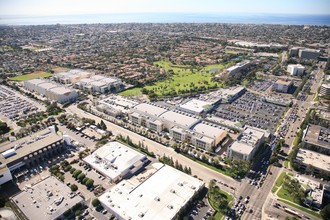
(251, 110)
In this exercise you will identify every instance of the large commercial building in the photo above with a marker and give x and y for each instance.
(282, 85)
(313, 162)
(296, 69)
(146, 114)
(223, 95)
(5, 174)
(116, 161)
(325, 89)
(247, 144)
(30, 151)
(309, 54)
(71, 76)
(195, 106)
(115, 105)
(181, 126)
(47, 199)
(317, 138)
(238, 67)
(305, 53)
(160, 193)
(100, 84)
(51, 90)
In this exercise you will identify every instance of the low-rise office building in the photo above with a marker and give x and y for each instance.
(116, 161)
(71, 76)
(195, 106)
(115, 105)
(5, 174)
(282, 85)
(223, 95)
(100, 84)
(324, 89)
(47, 199)
(312, 162)
(147, 115)
(247, 144)
(159, 193)
(296, 69)
(309, 54)
(232, 71)
(51, 90)
(31, 151)
(317, 138)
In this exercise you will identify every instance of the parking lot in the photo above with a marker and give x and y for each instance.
(14, 105)
(262, 85)
(251, 110)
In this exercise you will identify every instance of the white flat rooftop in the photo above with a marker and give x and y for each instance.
(196, 105)
(114, 159)
(315, 159)
(150, 109)
(241, 148)
(179, 119)
(38, 201)
(61, 90)
(159, 195)
(208, 130)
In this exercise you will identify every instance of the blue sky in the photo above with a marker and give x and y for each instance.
(67, 7)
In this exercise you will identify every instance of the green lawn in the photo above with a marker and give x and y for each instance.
(182, 80)
(278, 182)
(286, 164)
(284, 194)
(302, 208)
(131, 92)
(220, 212)
(30, 76)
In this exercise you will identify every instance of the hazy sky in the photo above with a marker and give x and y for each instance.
(67, 7)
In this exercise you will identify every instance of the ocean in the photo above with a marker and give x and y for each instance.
(169, 18)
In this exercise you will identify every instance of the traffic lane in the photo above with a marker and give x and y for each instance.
(202, 172)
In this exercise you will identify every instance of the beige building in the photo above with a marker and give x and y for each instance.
(247, 144)
(282, 85)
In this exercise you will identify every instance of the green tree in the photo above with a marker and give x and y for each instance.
(67, 213)
(74, 187)
(95, 202)
(90, 183)
(81, 176)
(325, 212)
(76, 173)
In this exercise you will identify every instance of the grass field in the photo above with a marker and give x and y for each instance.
(182, 80)
(30, 76)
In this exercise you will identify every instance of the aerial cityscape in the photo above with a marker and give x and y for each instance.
(164, 110)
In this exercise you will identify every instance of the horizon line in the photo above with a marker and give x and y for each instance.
(186, 12)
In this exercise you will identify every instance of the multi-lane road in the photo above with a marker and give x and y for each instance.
(202, 172)
(258, 196)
